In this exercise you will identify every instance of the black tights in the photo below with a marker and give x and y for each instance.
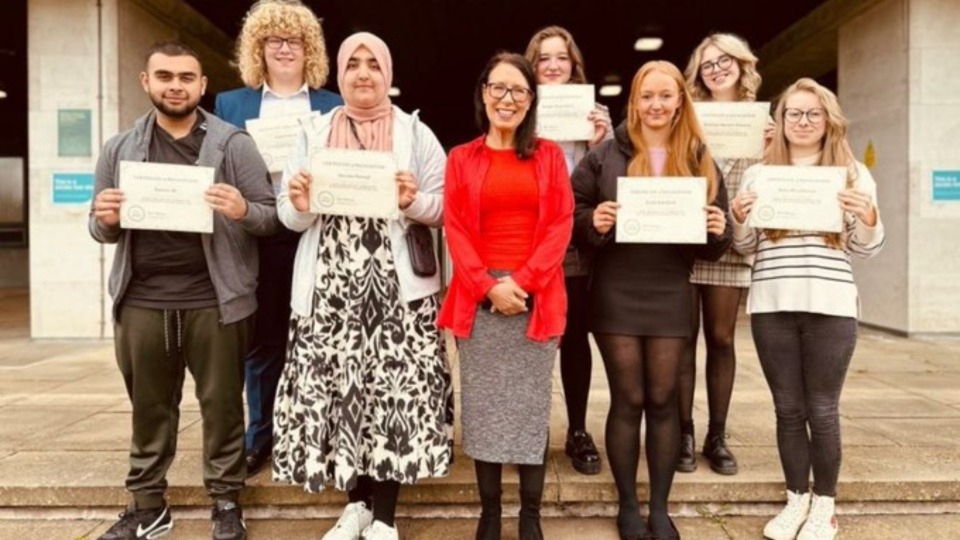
(575, 356)
(381, 497)
(642, 372)
(489, 483)
(720, 308)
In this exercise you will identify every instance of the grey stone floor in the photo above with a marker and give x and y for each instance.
(64, 421)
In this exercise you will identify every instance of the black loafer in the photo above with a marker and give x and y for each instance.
(674, 533)
(719, 455)
(257, 459)
(687, 462)
(583, 453)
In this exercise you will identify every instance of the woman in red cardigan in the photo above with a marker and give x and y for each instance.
(508, 210)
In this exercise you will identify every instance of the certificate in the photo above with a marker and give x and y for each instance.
(276, 137)
(359, 183)
(563, 110)
(798, 198)
(164, 197)
(661, 210)
(734, 130)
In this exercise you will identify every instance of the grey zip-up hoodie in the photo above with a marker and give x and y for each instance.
(231, 251)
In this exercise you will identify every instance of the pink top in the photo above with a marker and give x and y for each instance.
(658, 160)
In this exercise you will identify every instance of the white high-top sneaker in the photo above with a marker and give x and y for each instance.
(788, 522)
(380, 531)
(822, 522)
(354, 519)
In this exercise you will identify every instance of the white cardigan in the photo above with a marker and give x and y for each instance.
(416, 149)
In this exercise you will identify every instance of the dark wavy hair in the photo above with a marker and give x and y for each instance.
(526, 137)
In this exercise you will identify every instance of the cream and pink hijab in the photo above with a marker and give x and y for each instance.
(374, 124)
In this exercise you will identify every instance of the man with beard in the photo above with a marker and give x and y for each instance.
(184, 300)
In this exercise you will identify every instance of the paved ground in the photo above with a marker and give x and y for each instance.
(64, 421)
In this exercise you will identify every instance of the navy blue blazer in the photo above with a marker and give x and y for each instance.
(241, 104)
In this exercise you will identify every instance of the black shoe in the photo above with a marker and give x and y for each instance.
(529, 526)
(228, 522)
(674, 534)
(583, 453)
(687, 462)
(257, 458)
(630, 525)
(720, 458)
(488, 528)
(141, 524)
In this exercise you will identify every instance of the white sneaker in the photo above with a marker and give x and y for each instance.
(380, 531)
(788, 522)
(354, 519)
(822, 522)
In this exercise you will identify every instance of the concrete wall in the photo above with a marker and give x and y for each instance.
(898, 74)
(64, 73)
(934, 105)
(873, 91)
(85, 57)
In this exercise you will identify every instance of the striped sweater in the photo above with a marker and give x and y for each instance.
(800, 272)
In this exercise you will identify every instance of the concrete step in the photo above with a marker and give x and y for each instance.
(870, 475)
(900, 527)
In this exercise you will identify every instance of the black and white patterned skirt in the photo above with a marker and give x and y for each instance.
(366, 388)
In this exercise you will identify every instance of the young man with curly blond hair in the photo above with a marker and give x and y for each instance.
(283, 62)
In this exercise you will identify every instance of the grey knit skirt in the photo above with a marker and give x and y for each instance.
(505, 381)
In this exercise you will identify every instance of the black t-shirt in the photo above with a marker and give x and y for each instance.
(169, 268)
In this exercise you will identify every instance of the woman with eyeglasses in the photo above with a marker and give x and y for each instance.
(557, 60)
(804, 305)
(508, 213)
(639, 296)
(365, 400)
(721, 68)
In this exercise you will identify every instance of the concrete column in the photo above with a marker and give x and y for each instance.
(898, 71)
(87, 56)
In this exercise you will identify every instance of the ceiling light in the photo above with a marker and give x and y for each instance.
(610, 90)
(3, 94)
(393, 92)
(648, 44)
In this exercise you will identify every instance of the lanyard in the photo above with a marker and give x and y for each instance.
(353, 129)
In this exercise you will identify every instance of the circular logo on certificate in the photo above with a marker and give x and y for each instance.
(136, 213)
(631, 227)
(268, 159)
(766, 213)
(325, 199)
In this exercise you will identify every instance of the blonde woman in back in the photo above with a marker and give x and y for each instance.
(721, 68)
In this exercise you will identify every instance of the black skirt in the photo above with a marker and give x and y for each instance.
(642, 290)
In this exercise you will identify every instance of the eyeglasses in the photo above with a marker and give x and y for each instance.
(723, 61)
(814, 116)
(294, 43)
(500, 91)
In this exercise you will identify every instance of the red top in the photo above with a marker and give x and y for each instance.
(541, 274)
(508, 211)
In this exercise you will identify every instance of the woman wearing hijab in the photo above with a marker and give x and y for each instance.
(365, 401)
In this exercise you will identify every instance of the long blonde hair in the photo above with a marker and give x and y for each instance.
(835, 149)
(736, 47)
(270, 17)
(687, 153)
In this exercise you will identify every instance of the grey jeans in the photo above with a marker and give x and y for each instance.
(805, 357)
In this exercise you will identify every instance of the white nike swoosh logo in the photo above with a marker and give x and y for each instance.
(142, 532)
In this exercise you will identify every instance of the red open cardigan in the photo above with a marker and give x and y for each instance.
(541, 275)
